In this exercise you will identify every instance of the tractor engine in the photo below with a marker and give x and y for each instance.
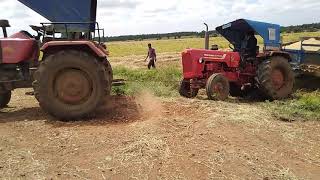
(199, 65)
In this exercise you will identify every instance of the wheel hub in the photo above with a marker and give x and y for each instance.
(277, 79)
(73, 86)
(218, 88)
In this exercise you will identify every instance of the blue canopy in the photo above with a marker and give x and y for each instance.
(65, 10)
(235, 32)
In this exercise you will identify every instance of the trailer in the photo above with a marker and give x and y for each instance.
(305, 55)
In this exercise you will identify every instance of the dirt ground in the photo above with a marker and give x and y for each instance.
(145, 137)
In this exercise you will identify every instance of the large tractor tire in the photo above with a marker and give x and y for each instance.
(185, 89)
(71, 84)
(275, 78)
(109, 75)
(218, 87)
(5, 98)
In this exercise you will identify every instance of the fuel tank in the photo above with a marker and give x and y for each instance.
(18, 48)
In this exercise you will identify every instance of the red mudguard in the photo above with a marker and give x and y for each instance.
(18, 48)
(96, 49)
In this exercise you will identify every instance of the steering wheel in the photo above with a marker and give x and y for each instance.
(231, 46)
(36, 28)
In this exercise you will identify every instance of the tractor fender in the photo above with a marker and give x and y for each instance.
(88, 46)
(282, 54)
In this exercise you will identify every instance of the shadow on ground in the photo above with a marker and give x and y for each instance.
(116, 109)
(307, 82)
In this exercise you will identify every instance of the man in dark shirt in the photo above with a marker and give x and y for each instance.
(152, 57)
(250, 44)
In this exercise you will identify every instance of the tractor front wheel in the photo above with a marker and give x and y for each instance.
(5, 98)
(71, 84)
(275, 78)
(185, 89)
(218, 87)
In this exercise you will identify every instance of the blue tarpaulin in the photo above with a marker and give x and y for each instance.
(236, 30)
(65, 10)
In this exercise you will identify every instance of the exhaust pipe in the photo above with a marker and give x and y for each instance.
(4, 24)
(4, 31)
(206, 37)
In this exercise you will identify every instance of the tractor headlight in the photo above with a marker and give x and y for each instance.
(201, 60)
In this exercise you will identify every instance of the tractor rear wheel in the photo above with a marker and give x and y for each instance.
(5, 98)
(275, 78)
(218, 87)
(71, 84)
(109, 75)
(185, 89)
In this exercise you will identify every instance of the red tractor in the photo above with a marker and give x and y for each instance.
(243, 70)
(73, 75)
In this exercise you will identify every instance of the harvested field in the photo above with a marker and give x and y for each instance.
(146, 137)
(311, 41)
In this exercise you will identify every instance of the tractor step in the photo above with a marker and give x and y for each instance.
(118, 82)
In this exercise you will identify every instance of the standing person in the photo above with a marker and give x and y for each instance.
(152, 57)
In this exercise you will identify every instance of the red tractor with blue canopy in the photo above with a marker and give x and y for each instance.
(74, 74)
(246, 68)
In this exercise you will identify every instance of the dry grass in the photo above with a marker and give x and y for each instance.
(173, 138)
(134, 48)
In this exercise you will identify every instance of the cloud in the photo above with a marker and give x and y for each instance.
(111, 4)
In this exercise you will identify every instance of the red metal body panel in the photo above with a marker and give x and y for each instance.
(18, 48)
(199, 65)
(212, 61)
(96, 48)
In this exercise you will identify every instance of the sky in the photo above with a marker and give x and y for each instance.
(129, 17)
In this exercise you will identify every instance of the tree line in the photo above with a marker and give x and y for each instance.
(314, 27)
(177, 35)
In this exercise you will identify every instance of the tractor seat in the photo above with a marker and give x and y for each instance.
(4, 23)
(36, 28)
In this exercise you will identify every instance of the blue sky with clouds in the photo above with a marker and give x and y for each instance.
(122, 17)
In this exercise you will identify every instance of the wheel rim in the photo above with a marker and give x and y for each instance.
(218, 89)
(277, 79)
(73, 86)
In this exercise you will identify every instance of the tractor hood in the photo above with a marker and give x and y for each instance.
(235, 32)
(65, 11)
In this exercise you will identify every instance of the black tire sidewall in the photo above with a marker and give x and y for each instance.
(109, 76)
(5, 98)
(265, 78)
